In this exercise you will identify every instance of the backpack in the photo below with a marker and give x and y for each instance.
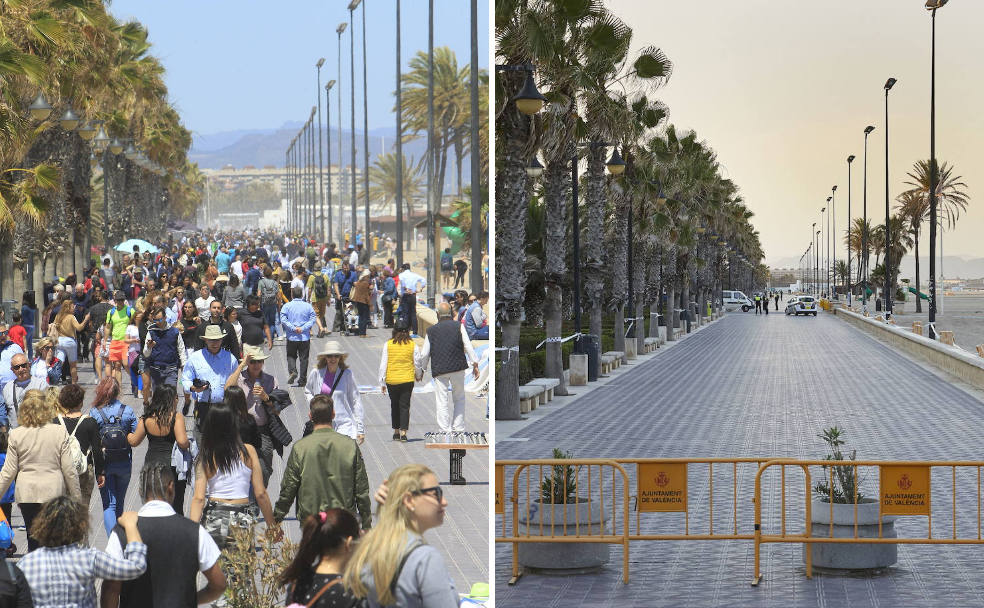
(79, 459)
(113, 436)
(446, 262)
(269, 290)
(112, 313)
(320, 287)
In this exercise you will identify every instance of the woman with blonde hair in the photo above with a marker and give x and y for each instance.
(39, 459)
(68, 326)
(392, 565)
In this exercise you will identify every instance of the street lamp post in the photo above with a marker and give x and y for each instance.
(351, 9)
(432, 275)
(399, 146)
(816, 267)
(850, 288)
(888, 226)
(476, 201)
(931, 6)
(832, 235)
(341, 209)
(321, 178)
(864, 222)
(826, 249)
(367, 240)
(816, 255)
(328, 86)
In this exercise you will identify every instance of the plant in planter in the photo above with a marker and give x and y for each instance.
(836, 519)
(559, 511)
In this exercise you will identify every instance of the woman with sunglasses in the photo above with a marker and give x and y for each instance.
(412, 573)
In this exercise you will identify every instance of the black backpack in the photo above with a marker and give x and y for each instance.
(113, 436)
(320, 287)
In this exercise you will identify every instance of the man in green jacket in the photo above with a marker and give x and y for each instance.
(325, 470)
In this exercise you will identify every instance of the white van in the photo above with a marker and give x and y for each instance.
(733, 300)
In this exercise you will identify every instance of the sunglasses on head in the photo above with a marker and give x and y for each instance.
(435, 491)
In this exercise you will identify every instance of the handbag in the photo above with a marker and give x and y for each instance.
(317, 596)
(6, 534)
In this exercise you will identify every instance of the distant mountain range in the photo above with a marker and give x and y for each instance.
(954, 267)
(267, 147)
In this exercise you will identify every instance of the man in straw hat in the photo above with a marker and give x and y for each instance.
(450, 352)
(207, 371)
(257, 386)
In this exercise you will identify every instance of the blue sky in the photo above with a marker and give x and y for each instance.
(251, 65)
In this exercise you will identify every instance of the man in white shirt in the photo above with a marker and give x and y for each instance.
(13, 392)
(411, 284)
(237, 267)
(8, 350)
(169, 537)
(449, 352)
(300, 280)
(203, 302)
(353, 257)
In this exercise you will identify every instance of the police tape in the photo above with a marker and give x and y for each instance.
(555, 339)
(509, 349)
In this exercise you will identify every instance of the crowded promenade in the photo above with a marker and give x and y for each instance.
(246, 382)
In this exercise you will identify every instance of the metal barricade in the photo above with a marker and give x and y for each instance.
(662, 485)
(586, 479)
(904, 489)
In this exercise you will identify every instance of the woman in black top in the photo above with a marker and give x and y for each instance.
(248, 431)
(163, 428)
(327, 541)
(70, 401)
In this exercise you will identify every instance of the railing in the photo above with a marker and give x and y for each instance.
(905, 489)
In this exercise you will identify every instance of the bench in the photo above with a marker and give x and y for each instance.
(651, 344)
(457, 443)
(548, 384)
(607, 363)
(529, 398)
(619, 357)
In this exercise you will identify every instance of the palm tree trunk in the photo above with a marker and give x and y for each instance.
(512, 202)
(557, 188)
(669, 315)
(594, 267)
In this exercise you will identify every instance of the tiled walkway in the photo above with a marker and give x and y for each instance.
(764, 386)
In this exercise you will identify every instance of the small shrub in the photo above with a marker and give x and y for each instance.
(560, 486)
(841, 476)
(253, 572)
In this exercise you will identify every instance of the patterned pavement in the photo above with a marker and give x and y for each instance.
(463, 539)
(763, 386)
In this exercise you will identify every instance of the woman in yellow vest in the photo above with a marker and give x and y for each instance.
(396, 376)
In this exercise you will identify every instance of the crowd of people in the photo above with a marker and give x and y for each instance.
(206, 314)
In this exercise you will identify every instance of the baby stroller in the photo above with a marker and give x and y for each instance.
(351, 318)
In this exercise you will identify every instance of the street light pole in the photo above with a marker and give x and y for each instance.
(399, 146)
(355, 218)
(850, 286)
(832, 235)
(341, 173)
(432, 275)
(889, 296)
(321, 178)
(366, 241)
(328, 86)
(864, 231)
(816, 253)
(932, 5)
(476, 200)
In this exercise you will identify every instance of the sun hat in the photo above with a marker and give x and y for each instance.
(222, 277)
(364, 274)
(332, 347)
(213, 332)
(255, 352)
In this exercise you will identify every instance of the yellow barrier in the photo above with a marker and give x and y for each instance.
(904, 489)
(661, 487)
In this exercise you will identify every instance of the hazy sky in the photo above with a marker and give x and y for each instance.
(783, 90)
(246, 64)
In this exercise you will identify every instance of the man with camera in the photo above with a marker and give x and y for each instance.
(164, 351)
(206, 373)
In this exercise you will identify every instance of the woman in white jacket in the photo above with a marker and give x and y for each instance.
(331, 371)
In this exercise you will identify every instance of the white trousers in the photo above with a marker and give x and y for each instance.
(450, 389)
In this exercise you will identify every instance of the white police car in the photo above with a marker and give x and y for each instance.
(802, 305)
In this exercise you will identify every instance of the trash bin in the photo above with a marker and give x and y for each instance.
(878, 305)
(590, 345)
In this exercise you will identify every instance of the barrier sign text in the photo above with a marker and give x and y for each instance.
(662, 487)
(905, 490)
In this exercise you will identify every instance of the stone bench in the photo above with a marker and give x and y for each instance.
(651, 344)
(529, 397)
(619, 357)
(607, 363)
(548, 384)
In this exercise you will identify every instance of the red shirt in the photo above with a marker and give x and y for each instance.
(17, 334)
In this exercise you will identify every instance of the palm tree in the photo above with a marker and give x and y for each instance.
(382, 182)
(913, 208)
(951, 193)
(840, 270)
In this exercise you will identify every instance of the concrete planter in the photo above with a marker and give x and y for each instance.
(851, 556)
(586, 517)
